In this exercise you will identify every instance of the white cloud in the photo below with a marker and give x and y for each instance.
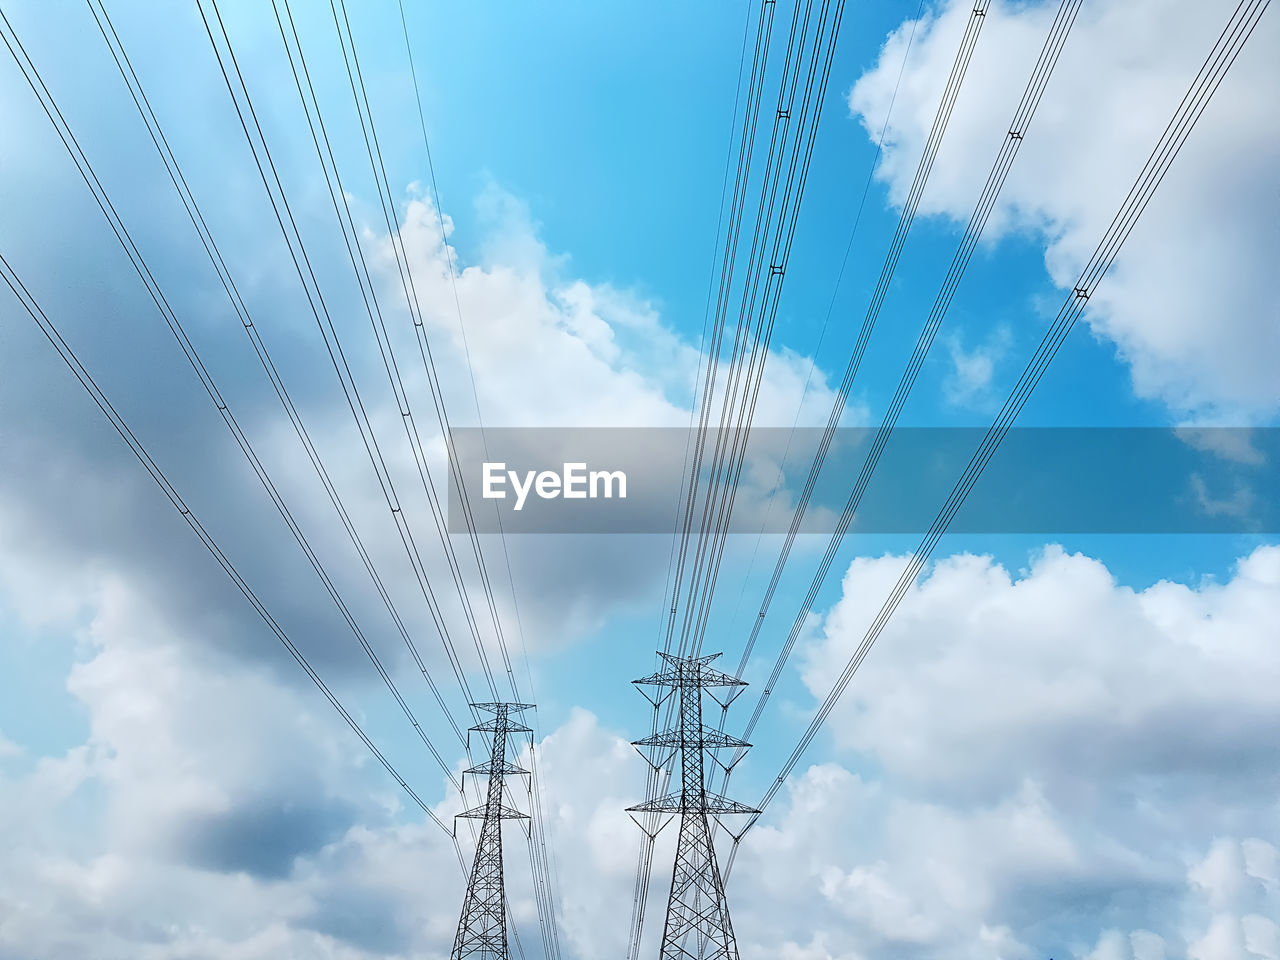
(968, 383)
(216, 811)
(1188, 304)
(547, 348)
(1242, 502)
(1239, 902)
(551, 350)
(988, 668)
(1059, 761)
(1233, 445)
(1029, 781)
(180, 740)
(554, 350)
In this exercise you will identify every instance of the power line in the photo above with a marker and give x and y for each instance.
(346, 38)
(543, 889)
(305, 271)
(1047, 60)
(684, 514)
(377, 164)
(826, 320)
(73, 363)
(941, 120)
(755, 89)
(337, 356)
(548, 853)
(777, 261)
(742, 384)
(719, 487)
(215, 256)
(373, 308)
(32, 75)
(332, 176)
(942, 116)
(706, 310)
(151, 121)
(1223, 54)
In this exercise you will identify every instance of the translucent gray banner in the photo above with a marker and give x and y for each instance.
(1041, 480)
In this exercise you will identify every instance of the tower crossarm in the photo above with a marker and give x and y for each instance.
(499, 726)
(499, 707)
(708, 738)
(501, 812)
(488, 768)
(711, 804)
(695, 673)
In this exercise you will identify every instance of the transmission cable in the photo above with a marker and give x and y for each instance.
(264, 162)
(941, 120)
(359, 91)
(102, 199)
(1011, 142)
(342, 210)
(741, 388)
(826, 320)
(68, 356)
(1223, 54)
(241, 309)
(685, 508)
(544, 892)
(745, 153)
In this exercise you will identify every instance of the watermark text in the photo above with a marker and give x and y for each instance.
(573, 482)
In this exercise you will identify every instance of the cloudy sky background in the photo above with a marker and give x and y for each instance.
(1061, 746)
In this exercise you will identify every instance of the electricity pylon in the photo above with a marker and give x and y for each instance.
(697, 924)
(482, 930)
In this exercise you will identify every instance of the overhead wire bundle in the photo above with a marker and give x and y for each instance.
(1010, 144)
(1223, 54)
(688, 493)
(826, 320)
(544, 892)
(543, 882)
(100, 399)
(808, 58)
(745, 409)
(240, 308)
(941, 119)
(749, 277)
(543, 889)
(174, 324)
(319, 308)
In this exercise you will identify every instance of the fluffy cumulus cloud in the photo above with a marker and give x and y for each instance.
(1188, 303)
(1048, 763)
(214, 812)
(545, 349)
(1067, 768)
(213, 806)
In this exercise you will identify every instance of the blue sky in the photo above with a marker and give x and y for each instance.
(174, 788)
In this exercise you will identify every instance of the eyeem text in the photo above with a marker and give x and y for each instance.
(574, 482)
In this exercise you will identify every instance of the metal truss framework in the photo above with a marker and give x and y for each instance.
(697, 924)
(482, 930)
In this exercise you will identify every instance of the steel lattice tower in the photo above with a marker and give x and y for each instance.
(697, 924)
(482, 930)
